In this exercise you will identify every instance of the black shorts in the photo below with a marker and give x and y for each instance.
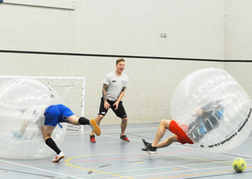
(120, 112)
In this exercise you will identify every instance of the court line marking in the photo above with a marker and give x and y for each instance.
(184, 146)
(142, 155)
(113, 173)
(97, 171)
(27, 166)
(109, 173)
(197, 174)
(191, 167)
(227, 162)
(149, 169)
(25, 173)
(170, 173)
(173, 172)
(237, 155)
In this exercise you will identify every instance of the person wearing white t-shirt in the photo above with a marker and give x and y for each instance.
(114, 86)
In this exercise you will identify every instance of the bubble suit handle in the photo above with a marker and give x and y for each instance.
(214, 109)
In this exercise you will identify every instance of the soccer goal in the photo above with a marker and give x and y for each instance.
(70, 89)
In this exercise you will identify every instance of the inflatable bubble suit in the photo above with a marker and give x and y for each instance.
(22, 106)
(213, 110)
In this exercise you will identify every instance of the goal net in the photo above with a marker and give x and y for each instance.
(70, 89)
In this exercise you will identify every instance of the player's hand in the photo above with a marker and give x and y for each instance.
(106, 105)
(197, 112)
(18, 135)
(116, 104)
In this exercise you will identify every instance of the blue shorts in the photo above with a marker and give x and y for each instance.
(55, 114)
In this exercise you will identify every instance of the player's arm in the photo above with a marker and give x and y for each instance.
(104, 92)
(119, 97)
(24, 126)
(104, 95)
(19, 134)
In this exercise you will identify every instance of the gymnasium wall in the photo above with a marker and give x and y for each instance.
(238, 46)
(162, 41)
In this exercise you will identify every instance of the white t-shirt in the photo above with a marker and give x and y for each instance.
(115, 84)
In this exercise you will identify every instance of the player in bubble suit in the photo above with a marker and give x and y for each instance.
(207, 118)
(53, 115)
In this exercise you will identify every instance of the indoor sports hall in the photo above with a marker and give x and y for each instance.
(111, 157)
(68, 47)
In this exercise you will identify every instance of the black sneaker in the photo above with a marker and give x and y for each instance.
(150, 150)
(146, 144)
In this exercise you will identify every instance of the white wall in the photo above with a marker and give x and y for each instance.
(195, 29)
(238, 45)
(238, 30)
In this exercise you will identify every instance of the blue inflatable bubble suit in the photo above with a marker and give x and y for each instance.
(213, 110)
(23, 101)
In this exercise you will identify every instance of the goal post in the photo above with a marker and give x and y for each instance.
(70, 89)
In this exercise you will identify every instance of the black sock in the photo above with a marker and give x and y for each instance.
(52, 145)
(83, 121)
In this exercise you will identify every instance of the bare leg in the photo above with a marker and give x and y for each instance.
(73, 120)
(151, 149)
(47, 131)
(164, 124)
(167, 141)
(84, 121)
(124, 124)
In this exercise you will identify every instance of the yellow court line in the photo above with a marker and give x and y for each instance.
(67, 162)
(178, 176)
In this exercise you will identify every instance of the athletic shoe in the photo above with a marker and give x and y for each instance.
(150, 150)
(146, 144)
(92, 139)
(124, 137)
(95, 127)
(58, 157)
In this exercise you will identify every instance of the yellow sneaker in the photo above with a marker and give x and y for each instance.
(95, 127)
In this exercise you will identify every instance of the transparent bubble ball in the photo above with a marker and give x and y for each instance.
(26, 100)
(213, 109)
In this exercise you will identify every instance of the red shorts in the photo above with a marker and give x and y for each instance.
(181, 135)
